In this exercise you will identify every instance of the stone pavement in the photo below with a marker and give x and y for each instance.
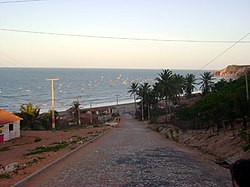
(132, 155)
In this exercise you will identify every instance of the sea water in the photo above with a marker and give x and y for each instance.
(95, 87)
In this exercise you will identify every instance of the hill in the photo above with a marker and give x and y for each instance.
(233, 71)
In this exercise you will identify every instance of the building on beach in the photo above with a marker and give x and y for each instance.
(9, 126)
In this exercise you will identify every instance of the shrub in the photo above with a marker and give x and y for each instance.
(4, 149)
(245, 147)
(5, 176)
(38, 139)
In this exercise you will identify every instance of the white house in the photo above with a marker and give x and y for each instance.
(9, 126)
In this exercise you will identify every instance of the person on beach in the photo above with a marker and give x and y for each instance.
(240, 172)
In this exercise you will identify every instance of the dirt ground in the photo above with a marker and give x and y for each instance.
(29, 140)
(225, 145)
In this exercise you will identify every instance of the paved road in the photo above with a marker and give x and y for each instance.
(132, 155)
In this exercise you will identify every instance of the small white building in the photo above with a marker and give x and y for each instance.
(9, 126)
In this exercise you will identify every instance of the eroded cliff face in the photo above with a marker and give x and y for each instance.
(233, 71)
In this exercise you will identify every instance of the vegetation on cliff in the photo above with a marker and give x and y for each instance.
(226, 104)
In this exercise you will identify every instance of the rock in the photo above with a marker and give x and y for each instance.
(80, 142)
(22, 166)
(12, 167)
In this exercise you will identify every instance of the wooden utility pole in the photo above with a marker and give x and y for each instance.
(247, 93)
(117, 99)
(78, 111)
(91, 115)
(53, 102)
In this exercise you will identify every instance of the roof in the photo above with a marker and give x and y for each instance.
(7, 117)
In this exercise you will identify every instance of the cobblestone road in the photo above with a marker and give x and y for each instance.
(132, 155)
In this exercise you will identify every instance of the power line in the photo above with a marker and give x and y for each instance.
(21, 1)
(7, 61)
(11, 60)
(222, 53)
(122, 38)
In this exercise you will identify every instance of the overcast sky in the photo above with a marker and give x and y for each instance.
(159, 19)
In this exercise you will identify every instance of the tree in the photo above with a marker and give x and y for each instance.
(220, 84)
(144, 94)
(178, 86)
(206, 82)
(45, 120)
(76, 105)
(166, 87)
(29, 114)
(133, 90)
(189, 84)
(226, 103)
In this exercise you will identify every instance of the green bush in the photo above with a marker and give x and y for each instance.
(157, 129)
(5, 176)
(38, 139)
(4, 149)
(243, 134)
(245, 147)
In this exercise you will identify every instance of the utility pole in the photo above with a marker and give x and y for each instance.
(90, 108)
(142, 111)
(247, 93)
(79, 120)
(117, 99)
(53, 102)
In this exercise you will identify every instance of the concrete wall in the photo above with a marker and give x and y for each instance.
(15, 133)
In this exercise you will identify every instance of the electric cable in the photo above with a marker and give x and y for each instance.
(122, 38)
(20, 1)
(223, 52)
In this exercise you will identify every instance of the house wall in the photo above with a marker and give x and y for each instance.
(15, 133)
(1, 133)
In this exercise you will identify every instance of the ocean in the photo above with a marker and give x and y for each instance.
(95, 87)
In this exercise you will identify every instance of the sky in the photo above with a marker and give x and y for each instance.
(199, 20)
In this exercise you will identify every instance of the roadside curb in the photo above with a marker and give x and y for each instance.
(28, 178)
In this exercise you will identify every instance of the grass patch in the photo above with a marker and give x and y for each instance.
(5, 176)
(57, 146)
(4, 149)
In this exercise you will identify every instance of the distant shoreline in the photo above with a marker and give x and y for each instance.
(122, 108)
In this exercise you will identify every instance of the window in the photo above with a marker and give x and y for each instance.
(11, 127)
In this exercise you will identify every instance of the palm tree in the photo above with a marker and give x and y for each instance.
(29, 114)
(206, 82)
(166, 87)
(189, 84)
(133, 90)
(144, 94)
(155, 96)
(76, 105)
(178, 86)
(220, 84)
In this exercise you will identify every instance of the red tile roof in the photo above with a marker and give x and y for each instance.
(7, 117)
